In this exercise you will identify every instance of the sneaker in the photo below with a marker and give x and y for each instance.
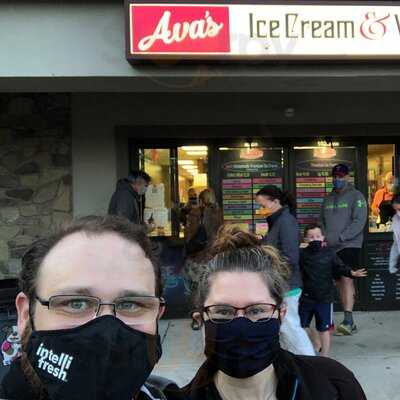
(346, 329)
(195, 325)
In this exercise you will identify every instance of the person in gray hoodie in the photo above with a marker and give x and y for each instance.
(343, 217)
(284, 234)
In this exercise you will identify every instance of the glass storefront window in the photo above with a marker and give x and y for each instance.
(192, 179)
(244, 172)
(381, 184)
(178, 175)
(158, 203)
(313, 166)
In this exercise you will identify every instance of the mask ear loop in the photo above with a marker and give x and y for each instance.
(31, 316)
(279, 316)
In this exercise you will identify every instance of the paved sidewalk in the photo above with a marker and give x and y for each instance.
(373, 354)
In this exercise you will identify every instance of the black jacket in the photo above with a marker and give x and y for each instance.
(14, 386)
(125, 202)
(299, 378)
(319, 269)
(284, 234)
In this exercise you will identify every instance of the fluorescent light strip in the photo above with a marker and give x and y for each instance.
(196, 153)
(195, 148)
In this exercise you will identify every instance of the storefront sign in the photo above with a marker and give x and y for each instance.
(224, 31)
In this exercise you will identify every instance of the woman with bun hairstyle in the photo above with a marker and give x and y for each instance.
(240, 305)
(283, 234)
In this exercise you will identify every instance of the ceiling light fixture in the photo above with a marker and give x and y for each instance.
(195, 148)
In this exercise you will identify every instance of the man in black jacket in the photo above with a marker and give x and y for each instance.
(88, 316)
(126, 200)
(320, 265)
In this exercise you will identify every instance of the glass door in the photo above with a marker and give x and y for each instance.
(178, 176)
(159, 204)
(313, 167)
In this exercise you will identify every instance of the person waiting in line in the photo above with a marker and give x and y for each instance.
(394, 259)
(283, 233)
(88, 316)
(192, 202)
(381, 205)
(126, 201)
(201, 228)
(343, 217)
(320, 265)
(240, 304)
(202, 222)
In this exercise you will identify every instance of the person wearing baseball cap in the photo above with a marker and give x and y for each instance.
(343, 217)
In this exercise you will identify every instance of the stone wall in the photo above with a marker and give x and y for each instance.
(35, 172)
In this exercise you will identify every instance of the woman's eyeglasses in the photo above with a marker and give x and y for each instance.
(221, 314)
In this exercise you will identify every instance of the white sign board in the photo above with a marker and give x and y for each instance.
(225, 31)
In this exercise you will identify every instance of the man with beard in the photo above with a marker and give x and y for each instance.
(88, 316)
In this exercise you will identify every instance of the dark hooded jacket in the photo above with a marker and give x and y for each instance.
(125, 202)
(319, 268)
(299, 378)
(284, 234)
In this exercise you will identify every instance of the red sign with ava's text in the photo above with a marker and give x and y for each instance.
(179, 29)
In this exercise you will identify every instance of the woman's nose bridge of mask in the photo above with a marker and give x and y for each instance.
(240, 313)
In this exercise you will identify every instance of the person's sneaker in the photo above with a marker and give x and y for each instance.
(354, 329)
(346, 329)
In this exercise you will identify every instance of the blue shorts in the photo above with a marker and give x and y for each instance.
(323, 313)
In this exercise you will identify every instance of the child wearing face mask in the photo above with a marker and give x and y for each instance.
(320, 265)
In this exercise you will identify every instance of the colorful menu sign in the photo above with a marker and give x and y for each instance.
(266, 31)
(242, 178)
(314, 180)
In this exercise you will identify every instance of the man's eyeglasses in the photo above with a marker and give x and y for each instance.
(132, 310)
(222, 314)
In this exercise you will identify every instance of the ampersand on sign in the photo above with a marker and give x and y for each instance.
(373, 28)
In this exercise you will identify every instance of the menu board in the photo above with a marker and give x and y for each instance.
(314, 178)
(244, 173)
(382, 286)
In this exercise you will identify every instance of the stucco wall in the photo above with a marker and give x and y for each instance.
(99, 157)
(51, 45)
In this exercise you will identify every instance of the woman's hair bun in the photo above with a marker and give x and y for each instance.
(231, 237)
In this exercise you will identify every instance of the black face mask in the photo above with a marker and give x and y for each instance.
(242, 348)
(315, 245)
(101, 360)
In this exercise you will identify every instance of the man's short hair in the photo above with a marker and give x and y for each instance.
(133, 175)
(310, 227)
(91, 226)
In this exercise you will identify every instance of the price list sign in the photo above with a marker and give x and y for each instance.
(383, 287)
(314, 180)
(245, 172)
